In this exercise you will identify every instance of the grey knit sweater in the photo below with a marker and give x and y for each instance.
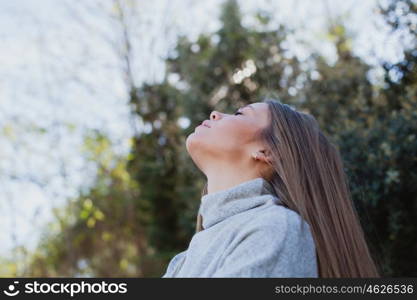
(247, 233)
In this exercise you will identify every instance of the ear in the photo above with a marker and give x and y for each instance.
(265, 156)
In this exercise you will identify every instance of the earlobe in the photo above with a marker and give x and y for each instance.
(259, 155)
(262, 155)
(266, 157)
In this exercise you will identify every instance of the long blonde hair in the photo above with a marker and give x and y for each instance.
(307, 175)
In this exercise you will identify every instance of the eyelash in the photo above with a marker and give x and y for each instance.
(238, 113)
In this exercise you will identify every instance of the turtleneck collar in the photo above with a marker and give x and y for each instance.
(220, 205)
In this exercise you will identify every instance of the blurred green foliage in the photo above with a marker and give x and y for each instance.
(142, 208)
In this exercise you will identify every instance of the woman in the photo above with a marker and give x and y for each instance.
(276, 202)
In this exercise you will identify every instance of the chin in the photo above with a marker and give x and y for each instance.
(194, 142)
(190, 140)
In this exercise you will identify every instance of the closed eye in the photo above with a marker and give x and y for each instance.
(238, 113)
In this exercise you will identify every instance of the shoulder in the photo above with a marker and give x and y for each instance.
(273, 231)
(276, 216)
(278, 222)
(173, 263)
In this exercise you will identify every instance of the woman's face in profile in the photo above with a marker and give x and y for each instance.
(229, 137)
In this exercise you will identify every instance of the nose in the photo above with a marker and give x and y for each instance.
(214, 115)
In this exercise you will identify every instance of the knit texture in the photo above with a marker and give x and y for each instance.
(247, 233)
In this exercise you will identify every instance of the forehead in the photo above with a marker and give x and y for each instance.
(259, 112)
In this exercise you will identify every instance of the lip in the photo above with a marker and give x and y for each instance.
(205, 123)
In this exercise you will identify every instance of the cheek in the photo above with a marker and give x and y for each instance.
(225, 139)
(234, 133)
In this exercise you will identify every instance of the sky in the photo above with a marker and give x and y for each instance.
(61, 77)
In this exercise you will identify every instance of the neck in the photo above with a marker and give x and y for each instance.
(222, 179)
